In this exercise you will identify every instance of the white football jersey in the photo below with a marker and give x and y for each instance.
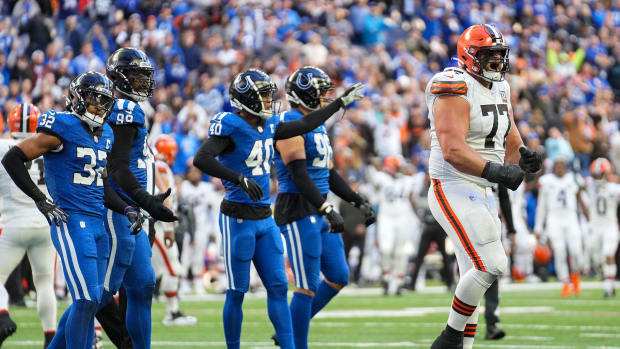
(489, 121)
(16, 208)
(557, 197)
(162, 169)
(603, 198)
(518, 205)
(394, 194)
(202, 197)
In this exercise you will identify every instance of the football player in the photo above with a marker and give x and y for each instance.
(75, 146)
(603, 195)
(24, 230)
(557, 212)
(131, 166)
(474, 144)
(243, 143)
(307, 220)
(165, 251)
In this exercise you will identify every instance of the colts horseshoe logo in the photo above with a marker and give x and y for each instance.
(308, 79)
(245, 87)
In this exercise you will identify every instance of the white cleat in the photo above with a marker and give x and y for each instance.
(98, 343)
(179, 319)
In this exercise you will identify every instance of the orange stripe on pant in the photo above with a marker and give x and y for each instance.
(458, 227)
(163, 253)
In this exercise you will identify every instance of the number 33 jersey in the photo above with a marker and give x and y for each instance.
(251, 154)
(489, 120)
(74, 172)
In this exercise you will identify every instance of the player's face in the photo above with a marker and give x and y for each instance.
(325, 98)
(559, 168)
(267, 98)
(98, 104)
(194, 175)
(494, 62)
(140, 80)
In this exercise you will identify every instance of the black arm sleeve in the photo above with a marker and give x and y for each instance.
(205, 159)
(118, 164)
(111, 199)
(305, 185)
(308, 123)
(13, 162)
(342, 189)
(504, 203)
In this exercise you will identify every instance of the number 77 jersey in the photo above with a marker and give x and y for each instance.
(250, 155)
(489, 120)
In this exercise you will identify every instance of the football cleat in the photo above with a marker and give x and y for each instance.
(448, 341)
(494, 333)
(609, 294)
(49, 336)
(98, 343)
(179, 319)
(7, 327)
(566, 290)
(274, 337)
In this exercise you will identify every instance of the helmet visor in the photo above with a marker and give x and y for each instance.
(98, 103)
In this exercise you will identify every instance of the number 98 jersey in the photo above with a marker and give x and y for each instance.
(318, 157)
(251, 154)
(74, 172)
(489, 121)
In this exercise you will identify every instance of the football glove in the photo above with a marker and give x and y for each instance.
(158, 210)
(531, 161)
(51, 211)
(352, 94)
(334, 219)
(136, 219)
(370, 215)
(510, 176)
(250, 186)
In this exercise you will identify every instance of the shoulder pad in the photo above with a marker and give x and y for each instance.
(222, 124)
(126, 112)
(449, 82)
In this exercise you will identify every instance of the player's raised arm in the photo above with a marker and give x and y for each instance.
(316, 118)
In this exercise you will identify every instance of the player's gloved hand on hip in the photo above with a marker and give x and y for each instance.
(250, 186)
(352, 94)
(51, 211)
(334, 219)
(158, 210)
(531, 160)
(510, 176)
(136, 219)
(370, 215)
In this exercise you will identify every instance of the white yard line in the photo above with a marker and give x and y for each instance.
(419, 311)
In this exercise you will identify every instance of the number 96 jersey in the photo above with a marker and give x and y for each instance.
(489, 121)
(318, 157)
(74, 172)
(251, 154)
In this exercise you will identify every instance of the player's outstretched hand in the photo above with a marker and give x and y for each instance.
(158, 210)
(334, 219)
(510, 176)
(250, 186)
(51, 211)
(531, 160)
(352, 94)
(163, 196)
(136, 219)
(370, 215)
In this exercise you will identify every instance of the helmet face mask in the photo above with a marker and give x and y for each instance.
(493, 62)
(252, 91)
(308, 87)
(91, 98)
(132, 73)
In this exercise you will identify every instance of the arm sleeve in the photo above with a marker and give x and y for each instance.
(305, 185)
(13, 162)
(339, 187)
(118, 163)
(504, 203)
(206, 162)
(112, 200)
(308, 123)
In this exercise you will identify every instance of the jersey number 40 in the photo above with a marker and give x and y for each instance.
(256, 161)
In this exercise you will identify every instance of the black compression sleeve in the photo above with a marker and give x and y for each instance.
(112, 200)
(308, 123)
(504, 203)
(205, 159)
(118, 164)
(342, 189)
(299, 174)
(13, 162)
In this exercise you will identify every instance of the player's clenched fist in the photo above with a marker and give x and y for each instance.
(531, 161)
(510, 176)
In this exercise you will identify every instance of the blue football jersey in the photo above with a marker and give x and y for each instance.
(251, 156)
(141, 159)
(318, 157)
(73, 173)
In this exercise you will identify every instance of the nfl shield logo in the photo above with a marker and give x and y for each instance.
(503, 94)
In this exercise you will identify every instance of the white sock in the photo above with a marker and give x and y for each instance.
(470, 330)
(4, 298)
(467, 296)
(172, 304)
(46, 301)
(609, 273)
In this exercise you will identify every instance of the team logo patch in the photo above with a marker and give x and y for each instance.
(503, 94)
(260, 129)
(239, 220)
(96, 139)
(82, 224)
(312, 219)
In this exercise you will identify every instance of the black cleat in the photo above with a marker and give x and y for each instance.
(494, 333)
(275, 340)
(7, 327)
(49, 336)
(448, 340)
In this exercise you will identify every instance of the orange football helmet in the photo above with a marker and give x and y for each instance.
(167, 148)
(476, 50)
(600, 167)
(23, 119)
(391, 164)
(542, 254)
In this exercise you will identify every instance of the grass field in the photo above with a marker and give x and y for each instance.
(365, 319)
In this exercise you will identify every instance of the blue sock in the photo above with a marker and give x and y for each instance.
(280, 315)
(80, 325)
(59, 341)
(233, 317)
(139, 301)
(323, 295)
(301, 306)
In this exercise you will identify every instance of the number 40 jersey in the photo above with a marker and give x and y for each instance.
(489, 121)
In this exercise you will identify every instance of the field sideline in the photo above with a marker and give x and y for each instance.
(361, 318)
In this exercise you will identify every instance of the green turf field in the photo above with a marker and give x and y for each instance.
(532, 319)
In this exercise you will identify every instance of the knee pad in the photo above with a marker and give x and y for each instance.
(485, 279)
(340, 276)
(497, 264)
(277, 290)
